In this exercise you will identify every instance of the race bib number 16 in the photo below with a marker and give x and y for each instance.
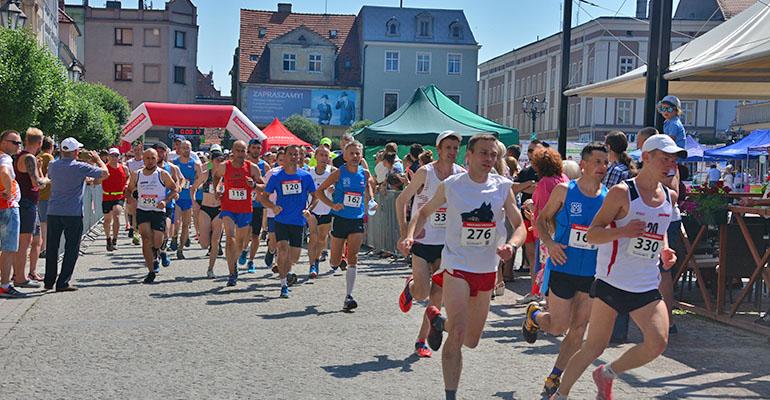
(577, 237)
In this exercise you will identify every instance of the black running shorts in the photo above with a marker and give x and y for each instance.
(622, 301)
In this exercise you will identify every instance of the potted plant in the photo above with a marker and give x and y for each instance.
(707, 204)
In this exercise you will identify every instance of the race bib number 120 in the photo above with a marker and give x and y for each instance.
(478, 233)
(647, 246)
(291, 187)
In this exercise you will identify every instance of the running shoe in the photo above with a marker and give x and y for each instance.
(422, 350)
(349, 304)
(28, 284)
(131, 232)
(405, 299)
(313, 271)
(528, 298)
(250, 268)
(603, 384)
(180, 254)
(164, 259)
(284, 292)
(174, 245)
(436, 334)
(150, 278)
(155, 266)
(269, 258)
(334, 268)
(343, 265)
(114, 244)
(135, 241)
(11, 293)
(530, 327)
(324, 254)
(232, 280)
(187, 243)
(210, 273)
(291, 278)
(552, 383)
(242, 258)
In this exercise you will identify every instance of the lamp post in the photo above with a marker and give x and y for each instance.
(534, 107)
(11, 16)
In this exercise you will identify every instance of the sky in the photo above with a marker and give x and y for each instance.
(498, 25)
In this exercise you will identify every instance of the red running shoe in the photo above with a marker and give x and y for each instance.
(603, 384)
(436, 333)
(405, 299)
(422, 349)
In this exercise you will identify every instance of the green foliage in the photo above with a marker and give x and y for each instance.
(87, 122)
(359, 124)
(106, 98)
(304, 129)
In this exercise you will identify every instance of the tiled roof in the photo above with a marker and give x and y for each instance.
(64, 18)
(732, 7)
(375, 19)
(277, 24)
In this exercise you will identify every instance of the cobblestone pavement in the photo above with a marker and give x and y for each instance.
(191, 337)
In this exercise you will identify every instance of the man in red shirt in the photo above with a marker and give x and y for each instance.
(114, 196)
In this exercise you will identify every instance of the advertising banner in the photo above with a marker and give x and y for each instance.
(320, 105)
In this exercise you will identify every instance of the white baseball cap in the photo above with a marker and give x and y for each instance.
(70, 144)
(115, 151)
(663, 143)
(446, 134)
(215, 147)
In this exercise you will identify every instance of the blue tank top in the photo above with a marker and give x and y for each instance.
(188, 171)
(577, 212)
(349, 191)
(172, 203)
(262, 165)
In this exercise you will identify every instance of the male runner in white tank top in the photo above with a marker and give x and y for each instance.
(477, 203)
(630, 230)
(426, 251)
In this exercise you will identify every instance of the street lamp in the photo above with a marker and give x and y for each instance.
(534, 107)
(11, 16)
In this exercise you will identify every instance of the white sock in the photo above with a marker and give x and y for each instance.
(350, 278)
(283, 282)
(609, 373)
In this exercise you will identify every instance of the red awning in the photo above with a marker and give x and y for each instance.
(278, 135)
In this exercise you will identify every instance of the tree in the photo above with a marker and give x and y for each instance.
(111, 101)
(358, 125)
(88, 122)
(304, 129)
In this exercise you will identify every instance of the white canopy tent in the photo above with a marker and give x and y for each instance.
(732, 61)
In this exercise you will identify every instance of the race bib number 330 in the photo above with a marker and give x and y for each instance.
(647, 246)
(478, 233)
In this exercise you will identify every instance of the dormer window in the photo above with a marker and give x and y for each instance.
(392, 27)
(302, 39)
(262, 32)
(424, 25)
(254, 57)
(456, 30)
(333, 33)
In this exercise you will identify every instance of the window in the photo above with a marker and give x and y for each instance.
(254, 57)
(314, 63)
(179, 74)
(391, 27)
(454, 64)
(688, 113)
(553, 78)
(151, 73)
(539, 82)
(590, 69)
(528, 90)
(180, 41)
(289, 62)
(424, 26)
(124, 36)
(423, 63)
(517, 90)
(624, 112)
(456, 30)
(124, 72)
(454, 97)
(589, 112)
(333, 33)
(391, 61)
(626, 64)
(151, 37)
(262, 32)
(391, 103)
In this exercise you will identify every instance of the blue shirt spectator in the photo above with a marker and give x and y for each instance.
(714, 175)
(68, 177)
(673, 127)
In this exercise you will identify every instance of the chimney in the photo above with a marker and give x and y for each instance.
(113, 4)
(641, 9)
(284, 8)
(141, 5)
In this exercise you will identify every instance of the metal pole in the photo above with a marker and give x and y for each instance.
(566, 47)
(665, 53)
(653, 50)
(534, 120)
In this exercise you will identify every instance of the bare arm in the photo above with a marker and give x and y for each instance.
(369, 188)
(321, 190)
(615, 207)
(30, 162)
(514, 217)
(403, 199)
(132, 181)
(432, 205)
(5, 178)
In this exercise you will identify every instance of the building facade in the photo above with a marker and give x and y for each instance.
(43, 21)
(143, 54)
(403, 49)
(69, 34)
(601, 49)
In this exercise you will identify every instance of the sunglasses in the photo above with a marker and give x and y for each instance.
(16, 142)
(664, 108)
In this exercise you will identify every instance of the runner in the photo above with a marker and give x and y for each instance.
(571, 266)
(255, 149)
(319, 219)
(293, 187)
(351, 194)
(272, 245)
(234, 181)
(113, 197)
(631, 236)
(190, 170)
(153, 188)
(426, 250)
(133, 165)
(176, 175)
(477, 203)
(210, 228)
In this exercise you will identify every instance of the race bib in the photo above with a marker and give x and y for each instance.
(478, 233)
(577, 238)
(186, 184)
(149, 200)
(237, 194)
(291, 187)
(438, 220)
(352, 199)
(254, 195)
(647, 246)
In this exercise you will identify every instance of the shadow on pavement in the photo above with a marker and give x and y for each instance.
(381, 363)
(309, 310)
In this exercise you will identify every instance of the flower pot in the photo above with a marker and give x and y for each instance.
(717, 217)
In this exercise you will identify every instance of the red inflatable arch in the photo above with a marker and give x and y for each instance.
(148, 115)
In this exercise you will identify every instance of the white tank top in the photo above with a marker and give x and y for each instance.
(434, 232)
(273, 196)
(475, 223)
(135, 164)
(632, 264)
(321, 208)
(151, 191)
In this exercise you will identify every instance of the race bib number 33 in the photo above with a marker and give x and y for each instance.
(647, 246)
(478, 233)
(438, 220)
(577, 238)
(291, 187)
